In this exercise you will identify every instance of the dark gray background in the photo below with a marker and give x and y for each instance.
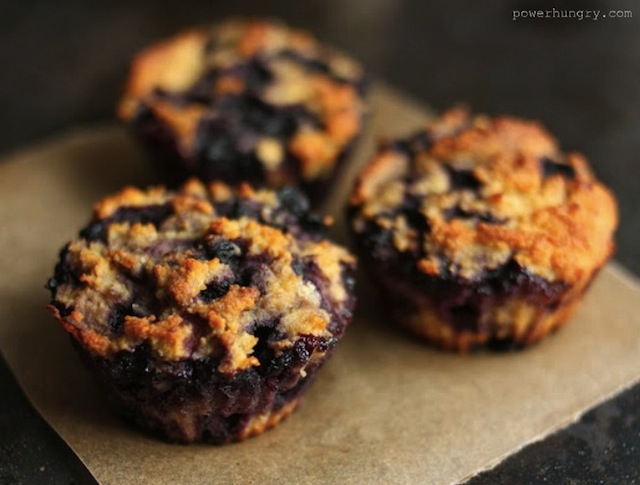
(64, 63)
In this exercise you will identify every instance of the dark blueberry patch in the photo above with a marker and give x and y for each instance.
(282, 125)
(210, 45)
(269, 365)
(504, 345)
(232, 425)
(251, 272)
(419, 142)
(274, 366)
(464, 317)
(256, 75)
(402, 146)
(202, 90)
(462, 179)
(145, 120)
(312, 65)
(348, 280)
(95, 231)
(297, 266)
(141, 309)
(266, 119)
(160, 92)
(62, 273)
(63, 309)
(151, 214)
(200, 328)
(313, 223)
(215, 290)
(175, 98)
(312, 343)
(363, 85)
(218, 151)
(293, 200)
(247, 208)
(317, 66)
(249, 168)
(215, 143)
(257, 114)
(51, 284)
(378, 242)
(310, 270)
(550, 168)
(308, 63)
(314, 274)
(410, 210)
(416, 219)
(303, 116)
(457, 212)
(231, 104)
(132, 366)
(303, 347)
(237, 208)
(509, 277)
(293, 215)
(115, 320)
(223, 249)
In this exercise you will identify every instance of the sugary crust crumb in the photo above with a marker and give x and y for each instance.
(183, 274)
(152, 72)
(481, 191)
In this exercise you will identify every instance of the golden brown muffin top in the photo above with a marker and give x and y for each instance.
(466, 194)
(192, 274)
(193, 75)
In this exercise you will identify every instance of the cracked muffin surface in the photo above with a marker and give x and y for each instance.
(204, 311)
(482, 229)
(246, 100)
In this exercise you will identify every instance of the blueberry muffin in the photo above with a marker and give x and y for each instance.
(247, 100)
(481, 231)
(206, 312)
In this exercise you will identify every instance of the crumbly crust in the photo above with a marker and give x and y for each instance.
(254, 90)
(481, 231)
(199, 273)
(469, 194)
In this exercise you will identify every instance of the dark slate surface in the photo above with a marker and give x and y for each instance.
(30, 451)
(64, 64)
(602, 448)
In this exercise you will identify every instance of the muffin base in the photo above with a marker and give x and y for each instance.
(190, 401)
(189, 424)
(506, 308)
(513, 326)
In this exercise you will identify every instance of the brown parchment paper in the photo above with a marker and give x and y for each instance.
(385, 410)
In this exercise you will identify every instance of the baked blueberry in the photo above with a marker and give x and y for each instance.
(246, 100)
(481, 231)
(203, 322)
